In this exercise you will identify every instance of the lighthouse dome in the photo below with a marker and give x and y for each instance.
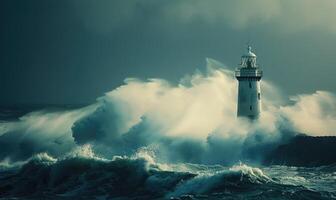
(249, 53)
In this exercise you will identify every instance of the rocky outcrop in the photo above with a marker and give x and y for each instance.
(304, 151)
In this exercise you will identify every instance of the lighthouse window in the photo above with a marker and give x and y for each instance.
(250, 85)
(250, 107)
(258, 96)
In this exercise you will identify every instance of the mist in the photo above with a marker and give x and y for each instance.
(194, 121)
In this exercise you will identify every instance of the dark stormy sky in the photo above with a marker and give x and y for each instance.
(72, 51)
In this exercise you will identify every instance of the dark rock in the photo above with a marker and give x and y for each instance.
(305, 151)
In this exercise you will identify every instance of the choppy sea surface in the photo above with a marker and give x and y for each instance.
(84, 175)
(139, 177)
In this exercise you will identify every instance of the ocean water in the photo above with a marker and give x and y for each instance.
(139, 177)
(81, 174)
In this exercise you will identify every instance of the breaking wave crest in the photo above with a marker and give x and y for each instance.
(87, 176)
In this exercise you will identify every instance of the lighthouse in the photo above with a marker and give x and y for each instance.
(249, 75)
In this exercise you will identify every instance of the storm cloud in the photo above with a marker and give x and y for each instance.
(53, 48)
(284, 15)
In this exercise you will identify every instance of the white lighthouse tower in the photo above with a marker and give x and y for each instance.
(249, 75)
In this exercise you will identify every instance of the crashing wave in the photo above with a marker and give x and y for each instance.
(237, 177)
(88, 175)
(139, 176)
(180, 123)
